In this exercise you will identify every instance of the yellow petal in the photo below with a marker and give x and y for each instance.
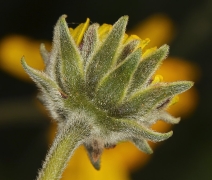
(126, 37)
(79, 31)
(132, 37)
(157, 79)
(144, 43)
(148, 52)
(174, 100)
(104, 30)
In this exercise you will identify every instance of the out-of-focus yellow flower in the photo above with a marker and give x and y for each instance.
(159, 28)
(119, 162)
(13, 47)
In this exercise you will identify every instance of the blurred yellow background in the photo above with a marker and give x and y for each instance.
(19, 109)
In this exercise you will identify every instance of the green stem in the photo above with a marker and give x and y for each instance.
(66, 141)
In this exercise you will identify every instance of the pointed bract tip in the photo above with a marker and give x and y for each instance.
(23, 62)
(150, 151)
(24, 65)
(63, 16)
(187, 84)
(165, 47)
(124, 19)
(166, 135)
(96, 165)
(163, 136)
(42, 46)
(170, 133)
(177, 120)
(191, 83)
(164, 50)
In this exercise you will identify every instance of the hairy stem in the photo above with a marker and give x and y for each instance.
(66, 141)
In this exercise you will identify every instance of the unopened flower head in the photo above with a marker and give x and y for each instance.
(100, 77)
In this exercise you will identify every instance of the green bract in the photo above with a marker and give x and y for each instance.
(104, 84)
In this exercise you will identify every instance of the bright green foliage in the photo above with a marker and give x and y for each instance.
(103, 84)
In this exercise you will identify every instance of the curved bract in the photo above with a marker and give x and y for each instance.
(103, 74)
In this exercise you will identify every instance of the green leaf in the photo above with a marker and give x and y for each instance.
(147, 67)
(72, 63)
(104, 59)
(113, 87)
(143, 101)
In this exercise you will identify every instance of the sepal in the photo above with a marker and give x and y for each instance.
(72, 63)
(113, 87)
(94, 149)
(128, 48)
(148, 66)
(44, 53)
(104, 58)
(89, 43)
(142, 145)
(165, 116)
(143, 101)
(135, 130)
(43, 81)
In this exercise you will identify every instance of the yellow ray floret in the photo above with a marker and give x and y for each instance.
(174, 100)
(142, 44)
(79, 31)
(149, 51)
(103, 31)
(157, 79)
